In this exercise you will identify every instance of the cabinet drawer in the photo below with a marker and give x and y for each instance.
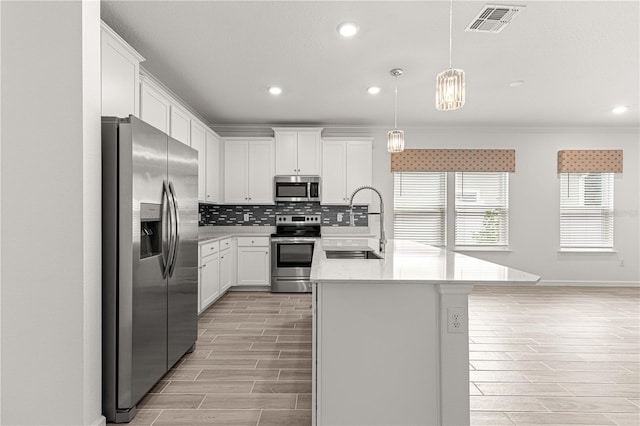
(225, 244)
(253, 241)
(209, 248)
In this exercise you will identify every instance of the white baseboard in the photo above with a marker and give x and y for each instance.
(567, 283)
(102, 421)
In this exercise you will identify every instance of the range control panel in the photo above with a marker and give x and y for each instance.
(309, 219)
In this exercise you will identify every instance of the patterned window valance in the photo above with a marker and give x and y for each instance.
(454, 160)
(590, 161)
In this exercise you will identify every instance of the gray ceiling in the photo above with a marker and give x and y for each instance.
(578, 61)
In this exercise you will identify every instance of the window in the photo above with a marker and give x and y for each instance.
(419, 211)
(477, 208)
(482, 209)
(586, 210)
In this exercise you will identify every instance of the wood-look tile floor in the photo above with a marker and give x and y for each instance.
(251, 366)
(551, 355)
(538, 356)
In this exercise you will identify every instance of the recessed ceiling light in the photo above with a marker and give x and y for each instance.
(620, 109)
(274, 90)
(348, 29)
(516, 83)
(373, 90)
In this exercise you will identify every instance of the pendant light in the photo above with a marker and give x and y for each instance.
(395, 137)
(450, 83)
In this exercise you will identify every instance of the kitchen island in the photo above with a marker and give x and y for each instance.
(391, 336)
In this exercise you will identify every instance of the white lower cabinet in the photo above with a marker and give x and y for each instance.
(253, 261)
(217, 268)
(226, 268)
(209, 280)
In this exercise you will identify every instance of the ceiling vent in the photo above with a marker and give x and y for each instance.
(493, 18)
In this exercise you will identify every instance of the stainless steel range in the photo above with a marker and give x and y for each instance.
(291, 252)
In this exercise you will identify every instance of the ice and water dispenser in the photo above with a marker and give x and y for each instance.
(150, 230)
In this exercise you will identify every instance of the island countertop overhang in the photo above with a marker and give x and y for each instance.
(409, 262)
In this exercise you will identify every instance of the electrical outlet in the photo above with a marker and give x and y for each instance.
(339, 217)
(621, 262)
(456, 321)
(246, 217)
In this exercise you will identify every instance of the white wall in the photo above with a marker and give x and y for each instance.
(535, 197)
(50, 210)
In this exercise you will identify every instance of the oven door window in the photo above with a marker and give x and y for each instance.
(291, 190)
(294, 255)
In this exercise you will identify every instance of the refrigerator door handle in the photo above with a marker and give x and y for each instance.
(167, 228)
(171, 230)
(176, 224)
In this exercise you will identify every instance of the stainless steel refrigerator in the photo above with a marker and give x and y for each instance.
(150, 248)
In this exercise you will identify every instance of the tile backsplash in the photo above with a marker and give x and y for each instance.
(232, 215)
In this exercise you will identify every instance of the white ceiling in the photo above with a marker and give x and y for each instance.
(578, 61)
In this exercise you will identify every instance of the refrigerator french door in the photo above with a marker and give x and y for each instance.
(150, 190)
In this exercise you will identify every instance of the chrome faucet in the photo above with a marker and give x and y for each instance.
(383, 241)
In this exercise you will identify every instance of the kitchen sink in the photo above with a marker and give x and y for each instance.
(352, 254)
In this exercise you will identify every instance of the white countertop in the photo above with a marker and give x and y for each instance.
(409, 261)
(213, 233)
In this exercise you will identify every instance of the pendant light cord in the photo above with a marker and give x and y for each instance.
(395, 107)
(450, 30)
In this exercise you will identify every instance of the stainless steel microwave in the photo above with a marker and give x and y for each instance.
(297, 188)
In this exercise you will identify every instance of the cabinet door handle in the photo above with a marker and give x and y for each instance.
(266, 252)
(204, 266)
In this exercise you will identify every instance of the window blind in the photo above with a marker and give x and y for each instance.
(586, 210)
(419, 211)
(482, 209)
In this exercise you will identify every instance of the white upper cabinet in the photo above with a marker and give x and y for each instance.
(199, 143)
(346, 166)
(248, 170)
(120, 76)
(309, 152)
(213, 178)
(359, 170)
(298, 151)
(334, 173)
(260, 188)
(180, 124)
(286, 152)
(235, 172)
(155, 106)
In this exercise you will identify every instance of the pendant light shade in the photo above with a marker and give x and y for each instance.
(395, 141)
(450, 83)
(395, 138)
(450, 89)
